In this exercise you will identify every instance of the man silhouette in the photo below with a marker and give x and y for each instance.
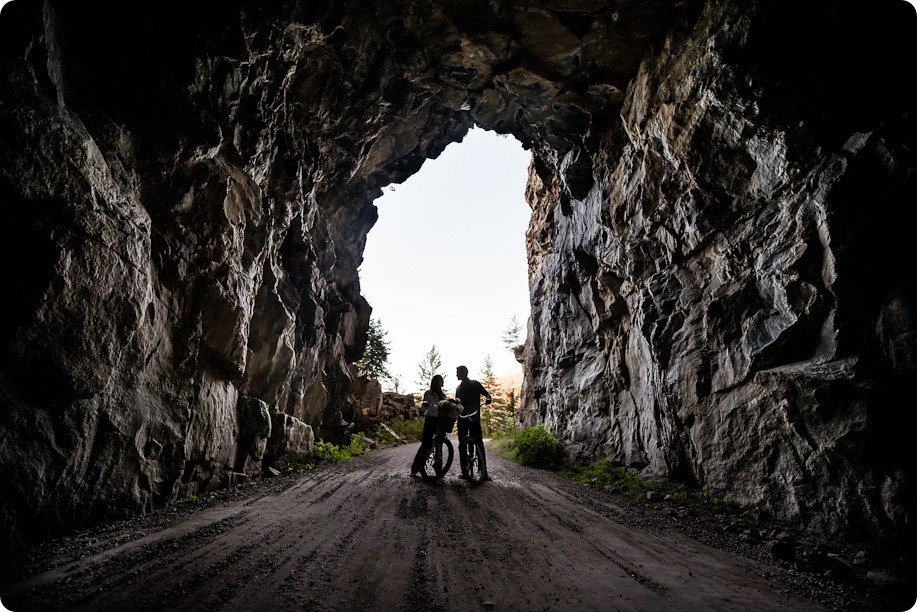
(469, 393)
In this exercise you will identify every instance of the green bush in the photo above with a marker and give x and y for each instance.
(326, 451)
(538, 447)
(411, 430)
(604, 475)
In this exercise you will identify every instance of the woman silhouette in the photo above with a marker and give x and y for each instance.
(431, 399)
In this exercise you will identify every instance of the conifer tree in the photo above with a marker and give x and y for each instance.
(488, 379)
(428, 368)
(374, 363)
(499, 415)
(511, 335)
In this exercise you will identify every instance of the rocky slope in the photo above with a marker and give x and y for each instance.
(721, 286)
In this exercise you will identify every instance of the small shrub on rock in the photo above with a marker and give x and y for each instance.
(538, 447)
(327, 452)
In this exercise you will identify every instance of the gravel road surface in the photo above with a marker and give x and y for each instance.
(364, 535)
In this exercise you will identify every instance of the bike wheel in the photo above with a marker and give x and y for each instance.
(439, 460)
(475, 469)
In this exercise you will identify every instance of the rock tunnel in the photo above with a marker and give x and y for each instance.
(722, 282)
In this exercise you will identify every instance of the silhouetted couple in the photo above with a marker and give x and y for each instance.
(469, 394)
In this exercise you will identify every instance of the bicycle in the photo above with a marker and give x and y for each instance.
(475, 469)
(440, 458)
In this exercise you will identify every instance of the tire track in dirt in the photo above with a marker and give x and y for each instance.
(278, 562)
(364, 535)
(576, 527)
(152, 561)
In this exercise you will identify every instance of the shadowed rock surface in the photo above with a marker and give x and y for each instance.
(723, 289)
(732, 301)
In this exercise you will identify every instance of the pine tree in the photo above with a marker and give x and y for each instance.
(499, 416)
(428, 368)
(488, 379)
(375, 357)
(511, 335)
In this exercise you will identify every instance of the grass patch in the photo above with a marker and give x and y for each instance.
(606, 477)
(327, 452)
(538, 447)
(503, 446)
(409, 431)
(391, 433)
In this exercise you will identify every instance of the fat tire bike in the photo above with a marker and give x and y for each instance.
(475, 469)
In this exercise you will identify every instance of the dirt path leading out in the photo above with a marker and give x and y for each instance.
(363, 535)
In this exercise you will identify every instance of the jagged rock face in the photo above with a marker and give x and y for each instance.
(732, 300)
(185, 198)
(186, 194)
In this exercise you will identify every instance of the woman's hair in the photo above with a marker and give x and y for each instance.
(437, 389)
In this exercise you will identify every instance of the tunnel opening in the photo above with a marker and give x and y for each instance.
(445, 264)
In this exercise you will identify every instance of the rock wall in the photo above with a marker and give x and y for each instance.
(185, 198)
(730, 299)
(719, 278)
(186, 192)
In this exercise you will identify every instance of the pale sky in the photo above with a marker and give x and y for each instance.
(445, 263)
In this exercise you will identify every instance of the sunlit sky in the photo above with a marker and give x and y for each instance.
(445, 263)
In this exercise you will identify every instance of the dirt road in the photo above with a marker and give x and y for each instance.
(364, 535)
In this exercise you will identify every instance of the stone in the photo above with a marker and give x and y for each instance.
(389, 431)
(236, 478)
(784, 536)
(840, 560)
(254, 433)
(290, 442)
(782, 549)
(888, 581)
(749, 538)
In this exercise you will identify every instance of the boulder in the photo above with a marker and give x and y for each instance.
(254, 434)
(290, 443)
